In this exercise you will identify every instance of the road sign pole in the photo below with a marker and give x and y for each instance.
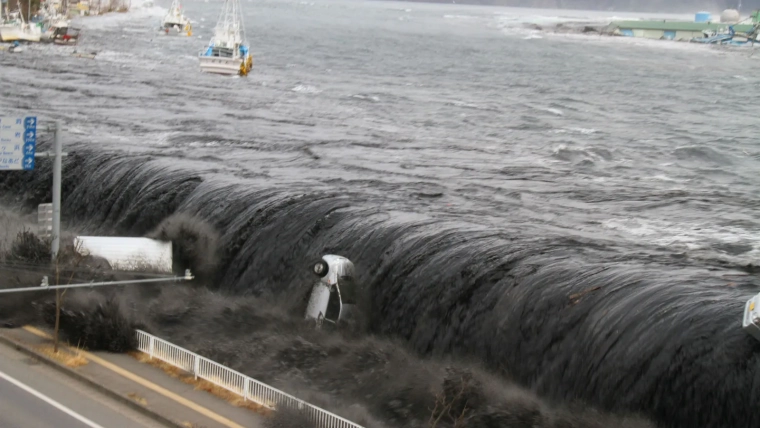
(56, 191)
(56, 242)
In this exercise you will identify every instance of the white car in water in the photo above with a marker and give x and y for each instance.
(333, 297)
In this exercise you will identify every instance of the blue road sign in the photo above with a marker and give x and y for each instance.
(18, 142)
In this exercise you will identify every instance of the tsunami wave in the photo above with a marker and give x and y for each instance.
(574, 321)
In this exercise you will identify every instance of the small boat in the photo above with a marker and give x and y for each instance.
(176, 20)
(88, 55)
(57, 27)
(67, 36)
(15, 48)
(227, 52)
(55, 24)
(715, 37)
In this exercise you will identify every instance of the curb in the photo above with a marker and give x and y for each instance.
(89, 382)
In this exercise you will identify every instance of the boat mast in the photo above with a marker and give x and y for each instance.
(230, 25)
(20, 11)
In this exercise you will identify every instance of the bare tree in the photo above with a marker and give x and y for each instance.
(78, 257)
(445, 407)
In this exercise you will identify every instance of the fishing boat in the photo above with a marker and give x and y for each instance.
(227, 52)
(54, 23)
(14, 28)
(176, 20)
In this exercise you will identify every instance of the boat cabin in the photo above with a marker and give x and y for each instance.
(222, 52)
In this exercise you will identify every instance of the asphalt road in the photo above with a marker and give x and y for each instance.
(33, 395)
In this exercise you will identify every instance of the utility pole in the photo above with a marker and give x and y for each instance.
(58, 153)
(19, 150)
(56, 241)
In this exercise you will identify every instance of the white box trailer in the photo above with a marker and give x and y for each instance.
(128, 254)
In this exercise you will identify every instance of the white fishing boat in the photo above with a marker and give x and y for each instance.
(176, 20)
(227, 52)
(15, 28)
(24, 32)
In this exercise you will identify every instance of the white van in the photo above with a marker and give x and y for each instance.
(333, 297)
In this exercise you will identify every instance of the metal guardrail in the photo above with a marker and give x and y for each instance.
(238, 383)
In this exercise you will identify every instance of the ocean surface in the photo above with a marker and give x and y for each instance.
(480, 170)
(448, 111)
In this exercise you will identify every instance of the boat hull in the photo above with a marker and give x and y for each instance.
(68, 42)
(14, 33)
(178, 24)
(220, 65)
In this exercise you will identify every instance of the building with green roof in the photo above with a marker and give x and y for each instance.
(673, 30)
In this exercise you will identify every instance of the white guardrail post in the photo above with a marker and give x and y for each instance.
(238, 383)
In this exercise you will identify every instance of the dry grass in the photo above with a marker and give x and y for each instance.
(66, 357)
(138, 398)
(201, 384)
(169, 369)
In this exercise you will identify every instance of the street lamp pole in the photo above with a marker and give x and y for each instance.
(45, 284)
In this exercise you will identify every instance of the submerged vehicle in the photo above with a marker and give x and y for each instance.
(333, 297)
(227, 52)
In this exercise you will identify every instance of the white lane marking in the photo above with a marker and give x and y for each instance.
(50, 401)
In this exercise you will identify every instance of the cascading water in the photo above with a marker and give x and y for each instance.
(576, 213)
(571, 320)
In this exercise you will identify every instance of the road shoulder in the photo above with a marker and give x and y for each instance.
(142, 387)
